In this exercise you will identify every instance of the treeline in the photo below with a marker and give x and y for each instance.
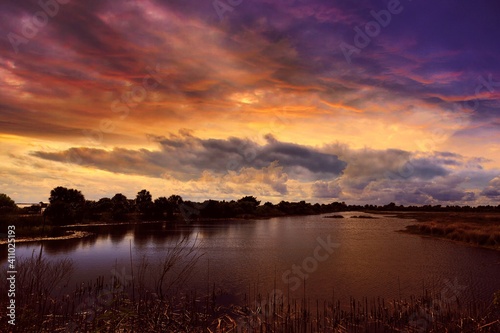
(427, 208)
(68, 206)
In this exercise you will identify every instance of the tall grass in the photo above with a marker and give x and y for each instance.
(127, 303)
(484, 235)
(38, 283)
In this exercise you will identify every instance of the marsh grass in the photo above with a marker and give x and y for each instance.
(487, 235)
(475, 228)
(125, 303)
(38, 283)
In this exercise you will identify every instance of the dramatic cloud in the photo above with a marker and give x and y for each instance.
(492, 191)
(186, 157)
(333, 172)
(326, 190)
(406, 177)
(357, 97)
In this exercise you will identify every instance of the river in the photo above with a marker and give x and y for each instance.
(321, 257)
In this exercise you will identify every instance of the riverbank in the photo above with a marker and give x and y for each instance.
(73, 234)
(472, 228)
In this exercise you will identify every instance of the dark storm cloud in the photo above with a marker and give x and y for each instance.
(333, 172)
(413, 191)
(234, 153)
(294, 155)
(443, 193)
(366, 165)
(404, 177)
(426, 168)
(186, 157)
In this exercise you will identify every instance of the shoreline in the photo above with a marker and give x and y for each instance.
(75, 234)
(454, 241)
(472, 229)
(475, 229)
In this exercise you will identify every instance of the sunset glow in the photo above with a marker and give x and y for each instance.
(259, 98)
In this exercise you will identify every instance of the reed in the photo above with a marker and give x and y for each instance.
(118, 305)
(487, 235)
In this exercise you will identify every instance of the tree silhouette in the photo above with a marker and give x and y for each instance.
(7, 205)
(250, 199)
(66, 206)
(6, 201)
(247, 205)
(119, 207)
(144, 203)
(103, 205)
(162, 207)
(175, 202)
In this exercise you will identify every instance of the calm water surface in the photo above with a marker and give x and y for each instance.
(256, 256)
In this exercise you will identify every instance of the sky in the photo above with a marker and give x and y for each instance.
(361, 101)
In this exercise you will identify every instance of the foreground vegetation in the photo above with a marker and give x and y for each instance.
(480, 229)
(146, 298)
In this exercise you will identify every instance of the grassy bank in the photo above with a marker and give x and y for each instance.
(479, 229)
